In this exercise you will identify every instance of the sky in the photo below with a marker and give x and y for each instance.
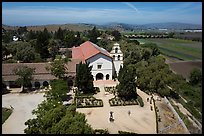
(42, 13)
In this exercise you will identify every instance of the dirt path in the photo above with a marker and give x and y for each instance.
(23, 105)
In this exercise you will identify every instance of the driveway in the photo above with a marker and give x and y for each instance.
(23, 105)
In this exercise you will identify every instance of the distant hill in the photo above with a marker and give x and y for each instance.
(54, 27)
(111, 26)
(170, 25)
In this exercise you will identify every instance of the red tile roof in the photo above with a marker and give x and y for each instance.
(40, 71)
(87, 50)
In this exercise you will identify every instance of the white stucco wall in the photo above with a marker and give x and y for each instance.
(117, 65)
(107, 65)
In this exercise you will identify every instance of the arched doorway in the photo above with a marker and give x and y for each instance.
(45, 84)
(99, 76)
(70, 82)
(107, 77)
(37, 84)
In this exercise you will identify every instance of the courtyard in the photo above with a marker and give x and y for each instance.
(141, 119)
(23, 105)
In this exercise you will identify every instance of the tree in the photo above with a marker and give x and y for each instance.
(42, 42)
(171, 35)
(25, 75)
(195, 76)
(127, 85)
(7, 36)
(31, 35)
(5, 51)
(146, 53)
(25, 52)
(22, 30)
(57, 68)
(59, 90)
(93, 35)
(58, 120)
(53, 47)
(72, 40)
(154, 47)
(103, 43)
(59, 34)
(116, 34)
(84, 79)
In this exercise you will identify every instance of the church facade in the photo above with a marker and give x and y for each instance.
(103, 63)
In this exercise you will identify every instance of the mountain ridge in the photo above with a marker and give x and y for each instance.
(111, 25)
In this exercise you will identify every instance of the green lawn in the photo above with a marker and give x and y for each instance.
(5, 114)
(182, 49)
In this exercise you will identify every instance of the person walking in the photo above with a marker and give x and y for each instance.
(11, 107)
(129, 112)
(111, 114)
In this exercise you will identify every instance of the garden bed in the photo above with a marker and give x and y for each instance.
(111, 90)
(88, 101)
(121, 102)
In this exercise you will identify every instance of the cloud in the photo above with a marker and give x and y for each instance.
(48, 15)
(131, 6)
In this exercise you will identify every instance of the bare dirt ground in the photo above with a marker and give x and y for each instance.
(184, 68)
(23, 105)
(141, 120)
(169, 121)
(195, 122)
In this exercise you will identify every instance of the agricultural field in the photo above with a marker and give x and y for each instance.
(185, 68)
(177, 48)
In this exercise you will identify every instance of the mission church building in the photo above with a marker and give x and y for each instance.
(103, 63)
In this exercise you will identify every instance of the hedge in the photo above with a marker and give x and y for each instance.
(126, 132)
(119, 102)
(101, 131)
(87, 100)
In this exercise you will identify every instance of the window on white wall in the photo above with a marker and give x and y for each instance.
(99, 66)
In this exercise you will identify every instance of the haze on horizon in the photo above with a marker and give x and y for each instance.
(43, 13)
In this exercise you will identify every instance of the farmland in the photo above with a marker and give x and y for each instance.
(178, 48)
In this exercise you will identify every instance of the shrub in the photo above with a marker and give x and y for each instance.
(126, 132)
(89, 102)
(101, 131)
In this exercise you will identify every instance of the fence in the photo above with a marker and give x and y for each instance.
(174, 111)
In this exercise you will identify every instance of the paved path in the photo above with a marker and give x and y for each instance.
(23, 105)
(141, 120)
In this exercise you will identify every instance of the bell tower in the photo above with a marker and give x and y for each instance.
(117, 55)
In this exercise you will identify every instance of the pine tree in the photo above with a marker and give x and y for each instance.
(84, 79)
